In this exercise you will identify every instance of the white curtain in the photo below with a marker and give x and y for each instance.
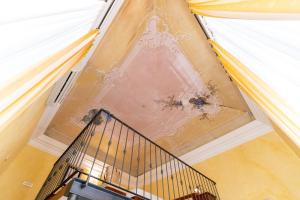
(270, 49)
(32, 30)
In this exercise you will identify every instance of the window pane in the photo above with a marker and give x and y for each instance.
(33, 30)
(271, 49)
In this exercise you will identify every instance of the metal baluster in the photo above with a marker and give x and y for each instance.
(54, 176)
(186, 181)
(177, 183)
(181, 181)
(162, 175)
(124, 154)
(194, 183)
(204, 185)
(96, 154)
(210, 186)
(116, 153)
(109, 144)
(172, 177)
(203, 182)
(74, 152)
(47, 183)
(145, 148)
(82, 144)
(91, 134)
(191, 178)
(131, 160)
(197, 183)
(216, 192)
(195, 174)
(43, 188)
(156, 171)
(78, 143)
(166, 164)
(176, 169)
(53, 184)
(138, 160)
(150, 166)
(207, 185)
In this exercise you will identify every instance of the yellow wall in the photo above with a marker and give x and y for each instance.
(263, 169)
(20, 162)
(287, 139)
(15, 136)
(30, 164)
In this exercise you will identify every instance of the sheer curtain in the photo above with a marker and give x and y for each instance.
(270, 49)
(32, 30)
(247, 9)
(40, 41)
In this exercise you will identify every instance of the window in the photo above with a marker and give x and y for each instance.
(37, 29)
(271, 49)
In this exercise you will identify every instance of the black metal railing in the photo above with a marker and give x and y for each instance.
(110, 153)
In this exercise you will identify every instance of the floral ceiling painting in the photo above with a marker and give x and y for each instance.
(156, 87)
(156, 79)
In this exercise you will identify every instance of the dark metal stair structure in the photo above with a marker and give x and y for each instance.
(76, 191)
(111, 160)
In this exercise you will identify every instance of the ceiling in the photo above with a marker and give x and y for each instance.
(155, 70)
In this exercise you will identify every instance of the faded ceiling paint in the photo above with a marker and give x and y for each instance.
(140, 89)
(154, 54)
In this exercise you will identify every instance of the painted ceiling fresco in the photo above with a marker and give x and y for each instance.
(155, 70)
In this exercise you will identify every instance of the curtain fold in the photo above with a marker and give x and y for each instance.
(280, 113)
(17, 94)
(33, 30)
(247, 9)
(270, 49)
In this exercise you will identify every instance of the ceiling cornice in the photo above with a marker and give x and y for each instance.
(224, 143)
(232, 139)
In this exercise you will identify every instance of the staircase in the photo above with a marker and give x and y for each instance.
(111, 160)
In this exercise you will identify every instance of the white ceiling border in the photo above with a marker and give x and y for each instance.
(232, 139)
(226, 142)
(38, 139)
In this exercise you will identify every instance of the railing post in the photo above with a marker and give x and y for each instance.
(170, 177)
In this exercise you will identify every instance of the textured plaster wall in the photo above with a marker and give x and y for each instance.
(31, 165)
(15, 136)
(263, 169)
(20, 162)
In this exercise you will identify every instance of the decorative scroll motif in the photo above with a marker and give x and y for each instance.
(204, 102)
(99, 118)
(89, 116)
(171, 103)
(157, 77)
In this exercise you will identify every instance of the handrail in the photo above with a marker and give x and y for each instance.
(157, 145)
(109, 151)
